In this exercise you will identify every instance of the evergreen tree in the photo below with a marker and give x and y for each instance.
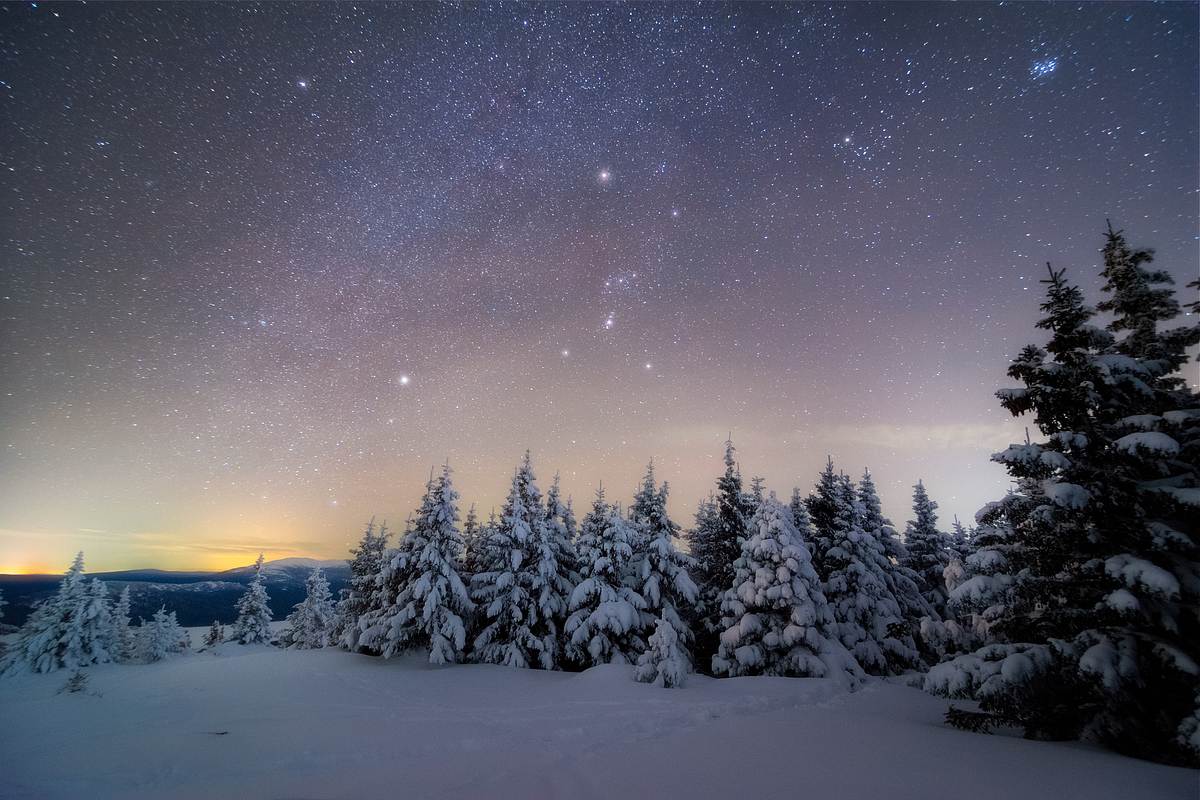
(517, 631)
(472, 536)
(365, 564)
(665, 661)
(776, 620)
(124, 640)
(421, 597)
(824, 507)
(605, 622)
(311, 623)
(715, 545)
(557, 564)
(160, 637)
(215, 635)
(1088, 568)
(868, 618)
(660, 574)
(901, 581)
(253, 623)
(960, 541)
(928, 549)
(70, 630)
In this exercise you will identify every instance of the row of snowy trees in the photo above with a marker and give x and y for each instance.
(81, 625)
(821, 586)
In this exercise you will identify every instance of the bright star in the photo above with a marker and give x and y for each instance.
(609, 322)
(566, 353)
(404, 380)
(302, 84)
(605, 176)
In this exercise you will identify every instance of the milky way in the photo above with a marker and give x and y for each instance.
(264, 265)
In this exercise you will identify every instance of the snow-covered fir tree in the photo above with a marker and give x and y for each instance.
(70, 630)
(424, 598)
(868, 619)
(660, 571)
(1090, 566)
(214, 636)
(311, 623)
(776, 620)
(665, 662)
(365, 563)
(124, 640)
(902, 581)
(253, 623)
(557, 562)
(823, 510)
(514, 581)
(715, 544)
(605, 622)
(472, 536)
(160, 637)
(927, 549)
(960, 541)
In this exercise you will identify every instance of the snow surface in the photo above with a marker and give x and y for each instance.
(255, 721)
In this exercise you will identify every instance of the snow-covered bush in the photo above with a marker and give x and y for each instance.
(665, 662)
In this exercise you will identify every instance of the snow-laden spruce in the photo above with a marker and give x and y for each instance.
(901, 581)
(70, 630)
(659, 571)
(253, 623)
(311, 623)
(665, 662)
(605, 624)
(160, 637)
(421, 599)
(1087, 575)
(124, 639)
(927, 549)
(524, 569)
(715, 544)
(857, 584)
(365, 562)
(776, 620)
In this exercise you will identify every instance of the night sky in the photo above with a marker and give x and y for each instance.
(263, 266)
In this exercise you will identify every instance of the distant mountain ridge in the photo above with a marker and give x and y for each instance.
(197, 598)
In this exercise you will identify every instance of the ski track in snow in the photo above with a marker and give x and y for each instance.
(327, 724)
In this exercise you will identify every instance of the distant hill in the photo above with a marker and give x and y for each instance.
(197, 598)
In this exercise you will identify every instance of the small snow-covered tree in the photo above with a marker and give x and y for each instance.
(70, 630)
(776, 620)
(365, 564)
(868, 618)
(310, 625)
(557, 564)
(665, 661)
(605, 622)
(473, 537)
(124, 639)
(215, 635)
(928, 549)
(160, 637)
(427, 598)
(253, 623)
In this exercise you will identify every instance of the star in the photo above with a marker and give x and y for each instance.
(303, 84)
(605, 176)
(405, 380)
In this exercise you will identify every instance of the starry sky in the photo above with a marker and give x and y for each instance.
(263, 266)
